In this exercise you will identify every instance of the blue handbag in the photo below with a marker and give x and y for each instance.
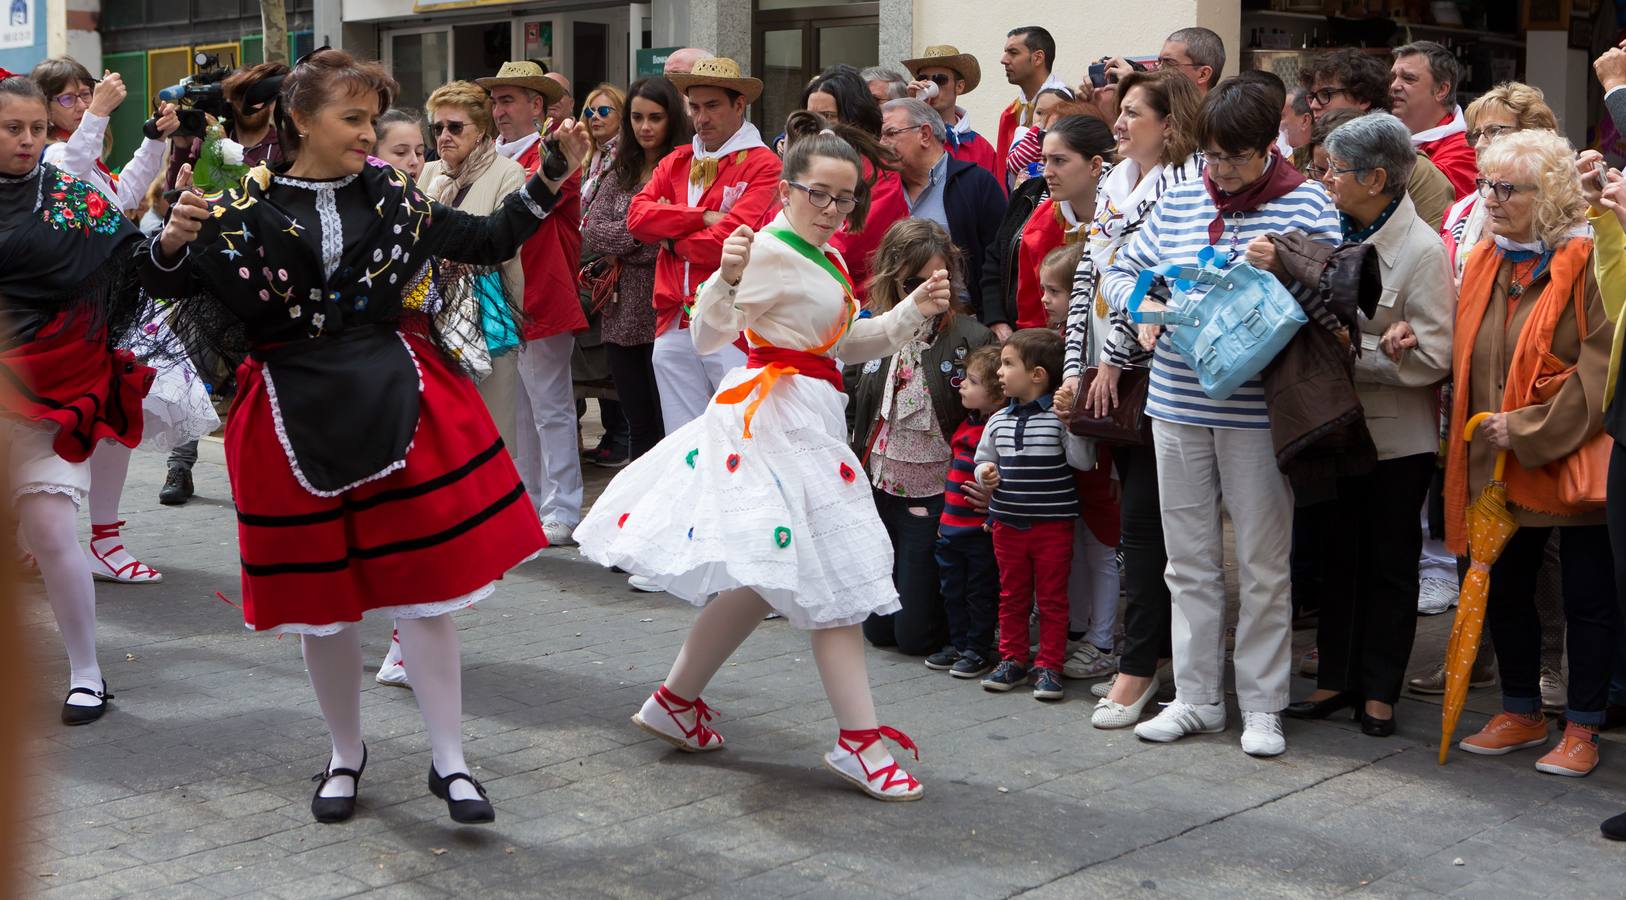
(1230, 333)
(496, 322)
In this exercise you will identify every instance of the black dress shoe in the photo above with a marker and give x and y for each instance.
(177, 487)
(469, 812)
(1320, 709)
(337, 809)
(1376, 727)
(84, 715)
(1614, 828)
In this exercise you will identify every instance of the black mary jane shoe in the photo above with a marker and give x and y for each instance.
(1375, 727)
(1320, 709)
(469, 812)
(84, 715)
(328, 810)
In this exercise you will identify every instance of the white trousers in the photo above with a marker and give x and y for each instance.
(1194, 464)
(1436, 562)
(546, 450)
(686, 378)
(1092, 587)
(498, 391)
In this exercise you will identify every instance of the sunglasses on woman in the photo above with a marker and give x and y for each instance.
(456, 128)
(66, 101)
(911, 284)
(597, 112)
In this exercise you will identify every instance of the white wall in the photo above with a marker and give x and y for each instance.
(1562, 75)
(1085, 30)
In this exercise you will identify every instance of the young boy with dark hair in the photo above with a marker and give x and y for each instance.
(1023, 458)
(965, 551)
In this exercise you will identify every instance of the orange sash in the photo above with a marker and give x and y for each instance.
(1532, 364)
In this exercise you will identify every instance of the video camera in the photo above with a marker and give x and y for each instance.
(198, 95)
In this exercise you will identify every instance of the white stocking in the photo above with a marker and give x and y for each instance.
(334, 663)
(48, 523)
(723, 625)
(437, 682)
(840, 655)
(109, 465)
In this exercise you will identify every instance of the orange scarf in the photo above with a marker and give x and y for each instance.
(1533, 489)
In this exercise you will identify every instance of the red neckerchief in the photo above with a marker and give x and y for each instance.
(1278, 181)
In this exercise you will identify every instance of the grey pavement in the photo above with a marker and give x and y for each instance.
(197, 783)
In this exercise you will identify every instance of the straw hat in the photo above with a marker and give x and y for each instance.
(526, 74)
(949, 57)
(718, 71)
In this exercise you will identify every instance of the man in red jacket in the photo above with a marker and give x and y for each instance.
(1424, 95)
(952, 74)
(1029, 55)
(546, 452)
(695, 199)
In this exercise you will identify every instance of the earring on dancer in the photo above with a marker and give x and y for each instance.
(663, 707)
(888, 780)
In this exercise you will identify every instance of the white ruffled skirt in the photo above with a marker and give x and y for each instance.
(786, 512)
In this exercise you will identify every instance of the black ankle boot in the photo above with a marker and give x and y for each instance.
(469, 812)
(337, 809)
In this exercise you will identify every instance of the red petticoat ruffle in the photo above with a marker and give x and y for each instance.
(67, 378)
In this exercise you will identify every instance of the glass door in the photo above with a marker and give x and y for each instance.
(795, 41)
(479, 50)
(421, 61)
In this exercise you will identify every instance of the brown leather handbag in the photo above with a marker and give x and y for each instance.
(1126, 424)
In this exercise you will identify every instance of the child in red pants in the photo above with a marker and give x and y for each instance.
(1023, 458)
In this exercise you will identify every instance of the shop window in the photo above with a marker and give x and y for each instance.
(797, 40)
(479, 50)
(210, 10)
(420, 63)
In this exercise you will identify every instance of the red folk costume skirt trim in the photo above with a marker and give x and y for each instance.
(66, 379)
(454, 519)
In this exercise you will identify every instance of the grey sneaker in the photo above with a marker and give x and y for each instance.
(1483, 675)
(1089, 661)
(1554, 691)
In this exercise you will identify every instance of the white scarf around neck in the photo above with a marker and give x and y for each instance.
(1457, 125)
(515, 149)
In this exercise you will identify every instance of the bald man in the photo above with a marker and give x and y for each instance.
(681, 62)
(565, 105)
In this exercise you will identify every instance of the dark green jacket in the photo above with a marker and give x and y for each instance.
(866, 381)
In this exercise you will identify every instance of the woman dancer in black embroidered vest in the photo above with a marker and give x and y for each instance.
(367, 473)
(67, 295)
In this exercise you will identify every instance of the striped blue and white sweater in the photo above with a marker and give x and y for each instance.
(1174, 233)
(1028, 444)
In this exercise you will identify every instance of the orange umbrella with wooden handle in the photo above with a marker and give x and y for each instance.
(1490, 527)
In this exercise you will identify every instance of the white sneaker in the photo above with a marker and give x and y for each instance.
(647, 585)
(1262, 734)
(1111, 714)
(1089, 661)
(1179, 719)
(558, 533)
(392, 673)
(1435, 596)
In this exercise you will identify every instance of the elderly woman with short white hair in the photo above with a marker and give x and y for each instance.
(1368, 611)
(1532, 349)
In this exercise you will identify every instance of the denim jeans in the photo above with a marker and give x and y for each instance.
(919, 629)
(970, 585)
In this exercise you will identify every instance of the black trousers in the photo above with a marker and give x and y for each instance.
(633, 371)
(1147, 605)
(1369, 589)
(969, 577)
(921, 627)
(1591, 611)
(1616, 510)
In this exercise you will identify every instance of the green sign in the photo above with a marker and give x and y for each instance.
(653, 60)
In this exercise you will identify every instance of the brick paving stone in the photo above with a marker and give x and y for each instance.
(197, 782)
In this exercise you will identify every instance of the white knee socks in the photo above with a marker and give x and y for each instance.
(334, 663)
(437, 682)
(49, 527)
